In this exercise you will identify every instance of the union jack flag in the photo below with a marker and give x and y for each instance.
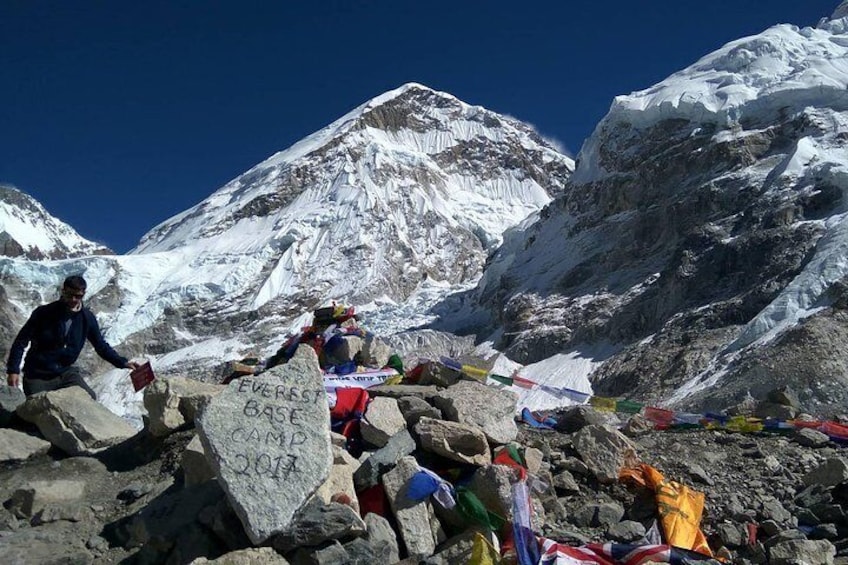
(618, 554)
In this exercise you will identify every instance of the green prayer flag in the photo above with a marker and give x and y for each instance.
(512, 449)
(501, 379)
(628, 406)
(472, 508)
(395, 363)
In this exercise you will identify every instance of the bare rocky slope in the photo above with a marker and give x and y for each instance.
(769, 498)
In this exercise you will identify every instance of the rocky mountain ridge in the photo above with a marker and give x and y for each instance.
(700, 241)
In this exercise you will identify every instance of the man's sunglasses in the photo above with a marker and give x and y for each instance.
(71, 294)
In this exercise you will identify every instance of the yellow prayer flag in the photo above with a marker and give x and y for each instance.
(603, 404)
(743, 424)
(482, 552)
(475, 372)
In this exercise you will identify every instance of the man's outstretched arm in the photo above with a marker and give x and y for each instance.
(103, 349)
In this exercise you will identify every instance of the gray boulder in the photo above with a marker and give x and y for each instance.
(10, 398)
(43, 546)
(419, 528)
(29, 500)
(319, 523)
(603, 450)
(828, 474)
(463, 443)
(492, 410)
(174, 402)
(375, 352)
(414, 408)
(578, 417)
(601, 514)
(195, 465)
(369, 472)
(346, 349)
(268, 439)
(249, 556)
(793, 552)
(339, 485)
(492, 484)
(810, 438)
(18, 446)
(73, 422)
(381, 537)
(382, 420)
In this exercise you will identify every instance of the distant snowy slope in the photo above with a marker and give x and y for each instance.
(28, 230)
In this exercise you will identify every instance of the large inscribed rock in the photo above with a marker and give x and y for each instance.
(268, 440)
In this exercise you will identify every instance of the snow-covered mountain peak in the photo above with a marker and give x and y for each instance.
(411, 127)
(841, 11)
(404, 196)
(342, 125)
(28, 230)
(755, 79)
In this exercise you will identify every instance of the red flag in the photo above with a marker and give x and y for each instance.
(142, 376)
(523, 383)
(661, 417)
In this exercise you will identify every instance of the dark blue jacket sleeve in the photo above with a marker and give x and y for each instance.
(95, 338)
(16, 353)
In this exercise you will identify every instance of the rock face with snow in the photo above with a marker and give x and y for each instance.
(27, 230)
(703, 234)
(405, 196)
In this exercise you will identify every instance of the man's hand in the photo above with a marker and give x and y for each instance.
(13, 379)
(131, 365)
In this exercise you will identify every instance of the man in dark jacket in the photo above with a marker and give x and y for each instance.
(56, 333)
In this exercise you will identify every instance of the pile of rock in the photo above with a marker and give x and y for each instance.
(251, 473)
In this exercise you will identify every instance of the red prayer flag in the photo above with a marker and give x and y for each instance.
(142, 376)
(661, 417)
(518, 380)
(835, 430)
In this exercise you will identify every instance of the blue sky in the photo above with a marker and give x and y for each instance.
(118, 115)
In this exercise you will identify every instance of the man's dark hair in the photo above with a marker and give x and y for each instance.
(75, 282)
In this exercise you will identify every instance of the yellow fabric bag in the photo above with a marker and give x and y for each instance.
(680, 508)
